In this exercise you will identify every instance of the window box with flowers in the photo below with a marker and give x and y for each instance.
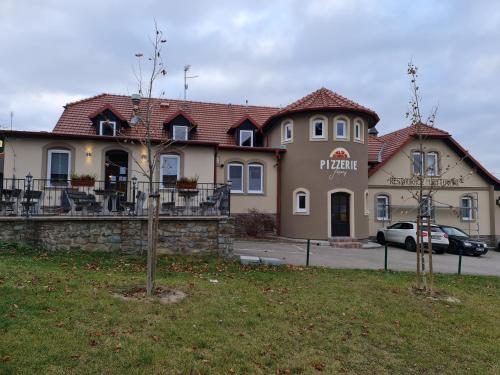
(82, 180)
(187, 183)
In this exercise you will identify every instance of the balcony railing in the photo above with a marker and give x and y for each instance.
(42, 197)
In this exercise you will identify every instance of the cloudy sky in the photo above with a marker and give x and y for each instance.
(267, 52)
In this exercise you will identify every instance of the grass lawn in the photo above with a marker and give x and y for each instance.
(57, 316)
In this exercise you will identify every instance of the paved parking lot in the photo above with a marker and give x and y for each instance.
(398, 259)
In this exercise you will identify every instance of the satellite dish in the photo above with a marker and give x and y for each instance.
(135, 120)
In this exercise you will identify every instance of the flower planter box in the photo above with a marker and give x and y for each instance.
(186, 185)
(80, 183)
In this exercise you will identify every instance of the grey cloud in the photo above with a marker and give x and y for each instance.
(267, 52)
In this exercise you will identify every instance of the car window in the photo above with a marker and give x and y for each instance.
(407, 226)
(455, 232)
(395, 226)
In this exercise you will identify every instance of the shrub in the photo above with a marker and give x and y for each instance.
(255, 223)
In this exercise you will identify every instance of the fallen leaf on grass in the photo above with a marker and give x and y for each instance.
(93, 343)
(156, 338)
(75, 356)
(60, 324)
(319, 366)
(5, 358)
(118, 348)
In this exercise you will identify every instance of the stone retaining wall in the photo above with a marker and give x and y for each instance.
(177, 235)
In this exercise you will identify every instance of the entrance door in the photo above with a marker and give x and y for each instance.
(116, 171)
(340, 211)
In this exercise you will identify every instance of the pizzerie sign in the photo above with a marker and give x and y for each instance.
(339, 163)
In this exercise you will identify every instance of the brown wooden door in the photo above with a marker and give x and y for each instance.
(340, 211)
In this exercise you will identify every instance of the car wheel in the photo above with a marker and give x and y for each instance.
(381, 238)
(410, 244)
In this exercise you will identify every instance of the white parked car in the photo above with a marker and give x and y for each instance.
(405, 233)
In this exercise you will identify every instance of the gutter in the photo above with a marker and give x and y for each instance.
(278, 193)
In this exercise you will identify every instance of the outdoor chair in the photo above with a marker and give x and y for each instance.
(139, 207)
(212, 202)
(9, 201)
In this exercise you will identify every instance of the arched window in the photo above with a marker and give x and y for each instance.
(467, 208)
(235, 175)
(255, 178)
(301, 201)
(318, 128)
(287, 131)
(432, 164)
(58, 166)
(341, 129)
(358, 131)
(383, 207)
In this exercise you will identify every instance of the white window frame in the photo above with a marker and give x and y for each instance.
(49, 163)
(287, 124)
(107, 123)
(296, 194)
(436, 161)
(358, 127)
(180, 126)
(162, 162)
(251, 137)
(240, 165)
(429, 204)
(261, 190)
(323, 128)
(418, 173)
(345, 135)
(470, 209)
(387, 206)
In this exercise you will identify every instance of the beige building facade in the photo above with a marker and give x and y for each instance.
(318, 165)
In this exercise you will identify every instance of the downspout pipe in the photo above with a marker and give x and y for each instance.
(216, 154)
(278, 193)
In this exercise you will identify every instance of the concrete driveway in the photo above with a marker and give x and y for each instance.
(398, 259)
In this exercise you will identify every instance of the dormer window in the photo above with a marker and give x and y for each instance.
(107, 128)
(246, 138)
(180, 132)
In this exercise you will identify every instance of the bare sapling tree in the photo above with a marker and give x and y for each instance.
(144, 105)
(426, 181)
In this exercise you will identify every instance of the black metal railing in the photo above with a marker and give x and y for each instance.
(39, 197)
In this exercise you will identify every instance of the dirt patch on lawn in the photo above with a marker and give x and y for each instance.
(161, 294)
(436, 295)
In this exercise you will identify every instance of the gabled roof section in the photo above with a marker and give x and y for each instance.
(238, 123)
(212, 119)
(324, 99)
(390, 144)
(107, 107)
(182, 113)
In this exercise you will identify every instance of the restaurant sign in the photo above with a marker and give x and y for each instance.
(339, 163)
(426, 181)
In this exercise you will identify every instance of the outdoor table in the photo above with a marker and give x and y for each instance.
(108, 194)
(187, 195)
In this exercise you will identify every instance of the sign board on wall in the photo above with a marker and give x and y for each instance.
(414, 181)
(339, 163)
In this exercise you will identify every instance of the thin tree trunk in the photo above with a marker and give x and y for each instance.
(418, 252)
(430, 256)
(151, 245)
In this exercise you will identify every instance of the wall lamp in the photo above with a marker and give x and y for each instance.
(88, 154)
(144, 157)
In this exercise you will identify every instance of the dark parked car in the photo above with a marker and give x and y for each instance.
(461, 241)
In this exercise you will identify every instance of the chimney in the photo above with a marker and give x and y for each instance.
(136, 100)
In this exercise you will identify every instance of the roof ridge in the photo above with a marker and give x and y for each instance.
(171, 100)
(85, 99)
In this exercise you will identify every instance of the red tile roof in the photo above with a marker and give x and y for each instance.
(108, 107)
(390, 144)
(241, 121)
(326, 99)
(213, 119)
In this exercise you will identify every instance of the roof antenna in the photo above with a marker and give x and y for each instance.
(186, 77)
(11, 118)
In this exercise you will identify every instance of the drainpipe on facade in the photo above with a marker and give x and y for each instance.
(216, 153)
(278, 194)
